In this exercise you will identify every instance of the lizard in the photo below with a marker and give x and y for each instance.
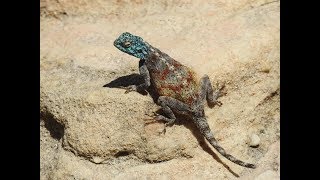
(178, 89)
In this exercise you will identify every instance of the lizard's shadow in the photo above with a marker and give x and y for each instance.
(136, 79)
(186, 121)
(125, 81)
(132, 79)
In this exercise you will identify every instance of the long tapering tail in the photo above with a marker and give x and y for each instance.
(205, 130)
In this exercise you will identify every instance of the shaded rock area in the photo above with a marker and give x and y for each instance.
(91, 129)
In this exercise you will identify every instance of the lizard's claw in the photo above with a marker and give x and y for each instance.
(129, 88)
(170, 123)
(164, 130)
(152, 118)
(221, 91)
(212, 104)
(219, 103)
(155, 118)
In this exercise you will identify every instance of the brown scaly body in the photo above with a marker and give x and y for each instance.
(178, 89)
(172, 79)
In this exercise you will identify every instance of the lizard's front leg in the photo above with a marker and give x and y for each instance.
(168, 103)
(207, 92)
(144, 72)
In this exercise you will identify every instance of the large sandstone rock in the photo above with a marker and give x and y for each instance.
(90, 129)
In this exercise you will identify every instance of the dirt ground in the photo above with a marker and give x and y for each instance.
(91, 129)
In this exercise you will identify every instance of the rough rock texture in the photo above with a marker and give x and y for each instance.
(90, 129)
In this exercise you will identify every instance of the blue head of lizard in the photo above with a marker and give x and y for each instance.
(133, 45)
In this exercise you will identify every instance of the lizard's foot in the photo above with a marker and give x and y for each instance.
(129, 88)
(168, 122)
(158, 117)
(211, 93)
(152, 119)
(216, 102)
(219, 92)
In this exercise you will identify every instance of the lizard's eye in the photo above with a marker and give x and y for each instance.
(127, 44)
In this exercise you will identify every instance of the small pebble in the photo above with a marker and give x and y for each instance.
(254, 140)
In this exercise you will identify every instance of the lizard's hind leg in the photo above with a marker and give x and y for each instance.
(207, 92)
(167, 104)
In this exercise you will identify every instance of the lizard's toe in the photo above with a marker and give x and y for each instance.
(219, 103)
(221, 90)
(129, 88)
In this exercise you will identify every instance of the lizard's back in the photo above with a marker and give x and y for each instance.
(171, 78)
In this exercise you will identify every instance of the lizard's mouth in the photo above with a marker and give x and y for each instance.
(116, 43)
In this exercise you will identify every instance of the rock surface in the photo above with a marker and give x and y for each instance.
(90, 129)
